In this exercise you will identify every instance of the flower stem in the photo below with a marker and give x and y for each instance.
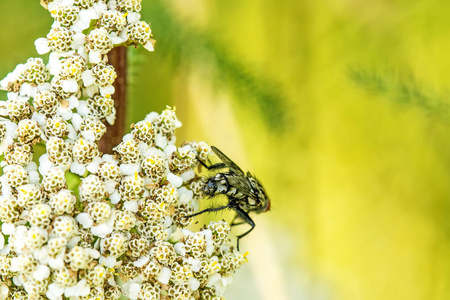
(113, 136)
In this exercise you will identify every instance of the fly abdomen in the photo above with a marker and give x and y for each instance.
(235, 193)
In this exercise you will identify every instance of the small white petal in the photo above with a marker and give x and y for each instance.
(175, 180)
(41, 272)
(73, 101)
(180, 249)
(88, 78)
(6, 190)
(161, 141)
(54, 63)
(127, 137)
(69, 85)
(88, 14)
(195, 264)
(38, 117)
(226, 281)
(56, 263)
(41, 254)
(46, 86)
(72, 132)
(73, 242)
(32, 166)
(185, 195)
(77, 168)
(169, 150)
(220, 288)
(107, 90)
(8, 229)
(42, 46)
(100, 7)
(140, 262)
(194, 284)
(124, 34)
(79, 39)
(66, 115)
(4, 291)
(178, 123)
(78, 26)
(15, 264)
(209, 241)
(115, 197)
(34, 177)
(90, 91)
(149, 46)
(94, 165)
(110, 158)
(44, 164)
(110, 186)
(25, 89)
(101, 230)
(109, 261)
(80, 289)
(54, 291)
(6, 250)
(95, 57)
(133, 17)
(116, 40)
(215, 277)
(164, 275)
(85, 220)
(18, 280)
(186, 232)
(95, 254)
(188, 175)
(83, 52)
(129, 169)
(76, 121)
(133, 292)
(82, 108)
(131, 206)
(167, 222)
(88, 135)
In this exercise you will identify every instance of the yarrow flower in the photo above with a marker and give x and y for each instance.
(122, 230)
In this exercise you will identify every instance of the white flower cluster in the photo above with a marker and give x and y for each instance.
(122, 233)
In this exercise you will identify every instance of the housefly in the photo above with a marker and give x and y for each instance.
(244, 192)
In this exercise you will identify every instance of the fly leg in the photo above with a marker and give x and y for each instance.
(212, 167)
(245, 217)
(211, 209)
(234, 220)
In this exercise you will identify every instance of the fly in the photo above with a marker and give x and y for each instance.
(244, 192)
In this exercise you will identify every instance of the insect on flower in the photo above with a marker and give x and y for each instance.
(244, 192)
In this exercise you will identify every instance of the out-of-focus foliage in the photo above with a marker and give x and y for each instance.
(402, 89)
(359, 176)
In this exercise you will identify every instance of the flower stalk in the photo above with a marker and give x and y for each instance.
(114, 133)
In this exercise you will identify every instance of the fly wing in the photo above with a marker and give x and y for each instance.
(241, 184)
(228, 162)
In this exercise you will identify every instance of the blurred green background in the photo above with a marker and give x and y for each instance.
(341, 110)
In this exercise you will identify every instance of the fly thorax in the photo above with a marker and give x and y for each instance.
(216, 185)
(222, 183)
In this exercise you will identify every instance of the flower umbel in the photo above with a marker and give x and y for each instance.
(121, 230)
